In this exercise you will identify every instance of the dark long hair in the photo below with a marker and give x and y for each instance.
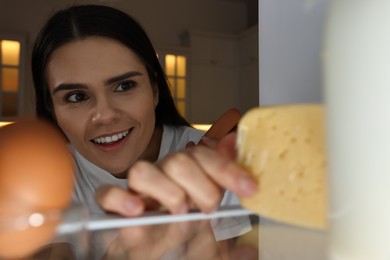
(78, 22)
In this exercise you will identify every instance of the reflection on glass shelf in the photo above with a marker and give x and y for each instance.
(227, 237)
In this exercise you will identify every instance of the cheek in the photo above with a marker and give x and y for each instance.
(150, 107)
(141, 107)
(70, 123)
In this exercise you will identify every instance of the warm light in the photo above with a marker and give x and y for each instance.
(170, 62)
(181, 66)
(175, 65)
(175, 68)
(10, 79)
(10, 52)
(5, 123)
(203, 127)
(181, 88)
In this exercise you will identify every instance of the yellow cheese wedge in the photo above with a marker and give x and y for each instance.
(283, 147)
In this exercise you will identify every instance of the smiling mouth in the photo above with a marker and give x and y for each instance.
(111, 138)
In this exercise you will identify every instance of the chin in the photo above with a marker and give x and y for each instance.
(119, 172)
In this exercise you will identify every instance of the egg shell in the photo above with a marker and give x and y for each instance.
(36, 175)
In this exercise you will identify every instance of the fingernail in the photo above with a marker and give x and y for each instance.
(247, 186)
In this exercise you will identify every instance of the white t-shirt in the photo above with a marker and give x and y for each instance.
(174, 138)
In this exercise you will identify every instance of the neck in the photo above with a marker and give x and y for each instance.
(151, 152)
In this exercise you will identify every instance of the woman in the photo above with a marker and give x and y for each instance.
(98, 79)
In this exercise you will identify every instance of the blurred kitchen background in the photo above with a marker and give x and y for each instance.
(209, 48)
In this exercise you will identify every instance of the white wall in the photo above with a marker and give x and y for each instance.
(290, 50)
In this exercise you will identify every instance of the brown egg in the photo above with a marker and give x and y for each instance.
(36, 182)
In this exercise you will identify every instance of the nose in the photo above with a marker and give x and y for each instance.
(104, 111)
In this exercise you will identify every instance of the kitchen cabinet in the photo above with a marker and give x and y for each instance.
(223, 73)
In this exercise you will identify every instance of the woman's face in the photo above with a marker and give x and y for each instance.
(103, 101)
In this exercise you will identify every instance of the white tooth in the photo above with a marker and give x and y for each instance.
(113, 138)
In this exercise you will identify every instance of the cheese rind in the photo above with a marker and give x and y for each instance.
(283, 147)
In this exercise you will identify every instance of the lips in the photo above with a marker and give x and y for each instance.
(111, 138)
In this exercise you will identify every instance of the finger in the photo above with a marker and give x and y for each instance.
(244, 252)
(151, 204)
(136, 242)
(117, 200)
(154, 241)
(137, 236)
(147, 178)
(200, 188)
(227, 146)
(175, 234)
(203, 245)
(226, 172)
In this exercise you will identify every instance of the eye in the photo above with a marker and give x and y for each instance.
(76, 97)
(125, 86)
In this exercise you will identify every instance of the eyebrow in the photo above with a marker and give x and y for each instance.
(122, 77)
(71, 86)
